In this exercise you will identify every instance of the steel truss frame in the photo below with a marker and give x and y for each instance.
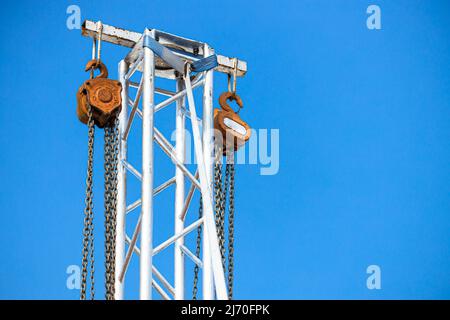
(142, 59)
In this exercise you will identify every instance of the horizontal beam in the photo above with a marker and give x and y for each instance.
(129, 39)
(133, 206)
(156, 191)
(176, 96)
(174, 238)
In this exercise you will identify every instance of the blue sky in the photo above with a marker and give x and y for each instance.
(363, 117)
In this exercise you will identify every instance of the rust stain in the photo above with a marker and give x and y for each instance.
(103, 95)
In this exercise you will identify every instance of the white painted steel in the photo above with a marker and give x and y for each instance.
(208, 145)
(172, 239)
(179, 195)
(189, 196)
(205, 183)
(160, 290)
(132, 169)
(169, 150)
(192, 256)
(134, 108)
(145, 264)
(129, 39)
(175, 97)
(121, 187)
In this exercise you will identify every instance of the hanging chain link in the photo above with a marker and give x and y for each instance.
(111, 149)
(223, 186)
(231, 169)
(114, 179)
(88, 230)
(111, 158)
(197, 251)
(107, 204)
(219, 201)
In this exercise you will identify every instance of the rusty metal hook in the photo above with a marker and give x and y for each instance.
(96, 64)
(232, 96)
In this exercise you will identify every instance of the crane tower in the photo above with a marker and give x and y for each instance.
(189, 65)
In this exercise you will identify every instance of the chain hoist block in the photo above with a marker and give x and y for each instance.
(102, 94)
(235, 131)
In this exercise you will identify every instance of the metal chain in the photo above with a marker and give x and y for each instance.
(197, 251)
(91, 242)
(219, 217)
(88, 230)
(219, 201)
(114, 181)
(111, 149)
(231, 170)
(107, 204)
(222, 188)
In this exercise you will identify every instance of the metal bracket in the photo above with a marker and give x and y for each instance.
(176, 62)
(129, 39)
(164, 53)
(205, 64)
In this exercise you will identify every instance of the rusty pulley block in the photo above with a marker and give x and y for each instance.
(235, 131)
(101, 93)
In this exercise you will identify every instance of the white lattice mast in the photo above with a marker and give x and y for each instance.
(184, 56)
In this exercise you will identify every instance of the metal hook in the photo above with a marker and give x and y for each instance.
(232, 96)
(95, 64)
